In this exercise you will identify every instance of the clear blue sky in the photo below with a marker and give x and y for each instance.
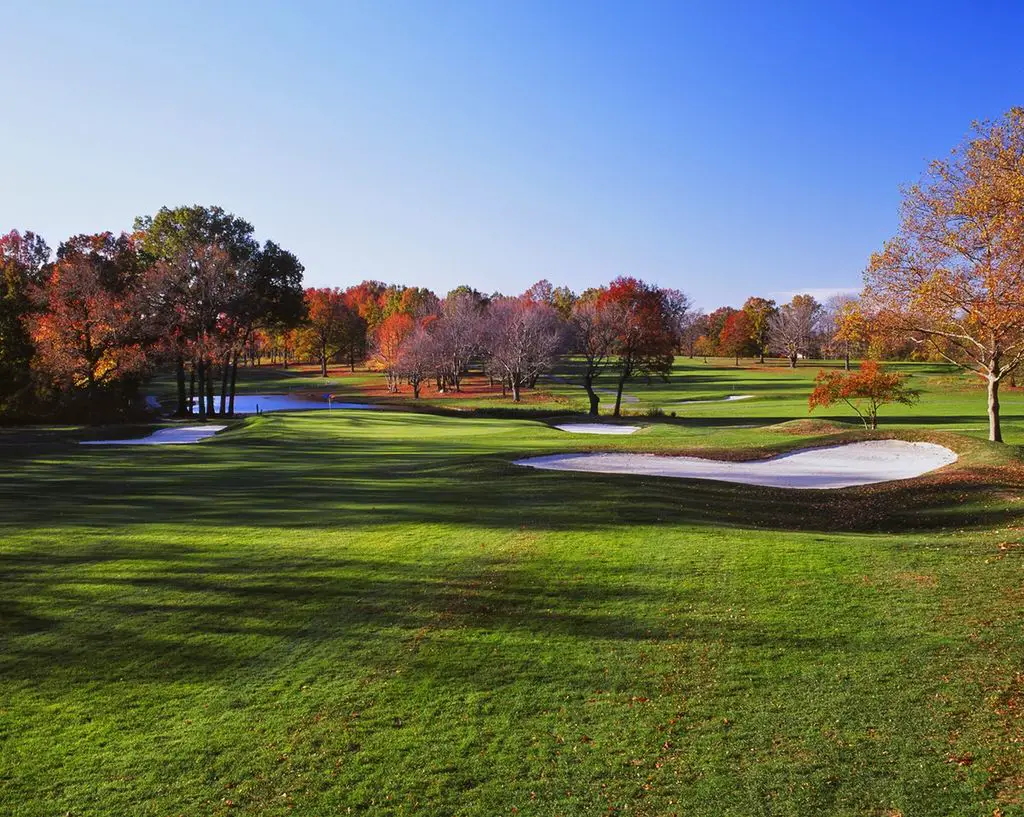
(726, 149)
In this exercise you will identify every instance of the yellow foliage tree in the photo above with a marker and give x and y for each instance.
(953, 276)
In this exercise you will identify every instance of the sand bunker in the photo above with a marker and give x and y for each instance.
(728, 399)
(247, 403)
(840, 466)
(165, 436)
(596, 428)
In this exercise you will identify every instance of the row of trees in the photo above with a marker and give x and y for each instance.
(629, 327)
(191, 288)
(186, 288)
(842, 327)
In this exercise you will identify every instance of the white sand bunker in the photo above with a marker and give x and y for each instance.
(596, 428)
(165, 436)
(248, 403)
(728, 399)
(840, 466)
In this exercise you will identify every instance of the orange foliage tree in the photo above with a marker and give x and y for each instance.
(388, 339)
(953, 276)
(89, 334)
(736, 337)
(865, 391)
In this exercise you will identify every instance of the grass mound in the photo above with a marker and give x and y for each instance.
(810, 426)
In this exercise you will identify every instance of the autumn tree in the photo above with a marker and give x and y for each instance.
(715, 323)
(418, 355)
(522, 339)
(594, 332)
(326, 317)
(953, 276)
(200, 252)
(24, 259)
(459, 333)
(646, 338)
(736, 337)
(849, 326)
(388, 338)
(865, 390)
(694, 326)
(759, 312)
(791, 331)
(90, 333)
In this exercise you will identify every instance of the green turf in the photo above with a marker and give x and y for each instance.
(377, 613)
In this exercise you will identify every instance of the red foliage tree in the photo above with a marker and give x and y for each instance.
(89, 335)
(646, 339)
(865, 391)
(736, 337)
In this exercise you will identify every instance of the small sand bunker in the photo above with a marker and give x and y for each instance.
(728, 399)
(165, 436)
(248, 403)
(840, 466)
(596, 428)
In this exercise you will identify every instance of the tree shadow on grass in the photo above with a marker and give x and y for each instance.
(295, 482)
(171, 614)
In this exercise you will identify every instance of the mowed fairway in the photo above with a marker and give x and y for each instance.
(377, 613)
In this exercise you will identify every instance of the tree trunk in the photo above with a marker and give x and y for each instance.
(618, 395)
(792, 361)
(234, 380)
(760, 357)
(201, 376)
(224, 374)
(995, 433)
(191, 391)
(737, 360)
(595, 399)
(209, 389)
(847, 361)
(180, 376)
(515, 389)
(323, 362)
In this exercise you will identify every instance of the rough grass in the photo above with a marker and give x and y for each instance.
(375, 613)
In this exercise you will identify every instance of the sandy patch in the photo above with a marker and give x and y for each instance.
(165, 436)
(840, 466)
(596, 428)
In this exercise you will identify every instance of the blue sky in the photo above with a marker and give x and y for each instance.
(726, 149)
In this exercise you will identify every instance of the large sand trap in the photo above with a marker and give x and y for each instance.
(247, 403)
(840, 466)
(596, 428)
(166, 436)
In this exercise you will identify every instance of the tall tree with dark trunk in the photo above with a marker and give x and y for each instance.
(182, 239)
(646, 339)
(595, 331)
(953, 276)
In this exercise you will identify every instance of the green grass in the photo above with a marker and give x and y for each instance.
(377, 613)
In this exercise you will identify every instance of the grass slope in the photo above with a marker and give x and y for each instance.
(375, 613)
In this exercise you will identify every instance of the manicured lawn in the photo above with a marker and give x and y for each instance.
(376, 613)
